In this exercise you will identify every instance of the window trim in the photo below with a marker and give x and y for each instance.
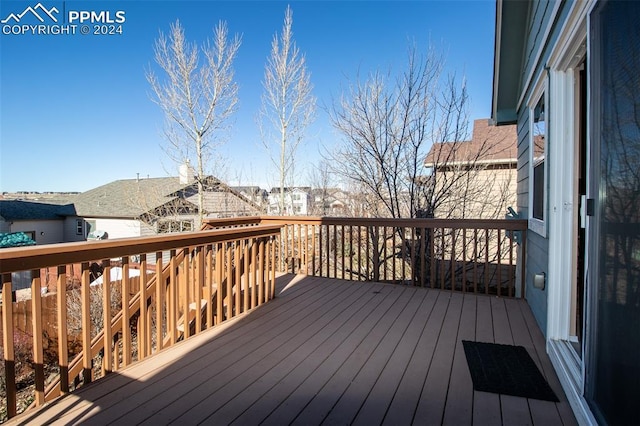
(80, 227)
(539, 226)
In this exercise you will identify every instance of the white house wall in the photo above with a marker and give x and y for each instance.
(117, 228)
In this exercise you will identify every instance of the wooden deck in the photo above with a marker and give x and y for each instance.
(326, 352)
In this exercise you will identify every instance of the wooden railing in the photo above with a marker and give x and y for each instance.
(478, 256)
(186, 283)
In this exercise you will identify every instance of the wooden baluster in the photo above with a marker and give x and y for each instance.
(285, 230)
(272, 243)
(126, 300)
(384, 252)
(499, 255)
(486, 261)
(342, 249)
(313, 250)
(328, 249)
(432, 258)
(185, 287)
(412, 256)
(254, 273)
(238, 278)
(161, 287)
(7, 340)
(36, 323)
(335, 251)
(107, 337)
(423, 256)
(393, 254)
(306, 249)
(464, 260)
(229, 279)
(475, 261)
(86, 323)
(453, 259)
(351, 252)
(403, 254)
(199, 282)
(511, 266)
(247, 274)
(261, 280)
(220, 277)
(368, 244)
(523, 256)
(63, 339)
(208, 294)
(173, 295)
(143, 332)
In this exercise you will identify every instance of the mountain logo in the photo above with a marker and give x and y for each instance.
(38, 11)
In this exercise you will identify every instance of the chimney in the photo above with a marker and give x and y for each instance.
(186, 173)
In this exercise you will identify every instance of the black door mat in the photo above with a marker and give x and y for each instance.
(506, 369)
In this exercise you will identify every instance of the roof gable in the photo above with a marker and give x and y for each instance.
(489, 144)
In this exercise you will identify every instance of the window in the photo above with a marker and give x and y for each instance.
(537, 170)
(79, 227)
(167, 226)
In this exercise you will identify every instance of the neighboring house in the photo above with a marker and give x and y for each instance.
(568, 74)
(44, 223)
(475, 179)
(329, 202)
(297, 201)
(138, 207)
(255, 194)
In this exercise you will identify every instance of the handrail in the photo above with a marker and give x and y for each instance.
(506, 224)
(210, 276)
(476, 255)
(33, 257)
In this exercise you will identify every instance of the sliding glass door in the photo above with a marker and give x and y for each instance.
(612, 357)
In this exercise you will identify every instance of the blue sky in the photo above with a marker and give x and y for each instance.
(75, 110)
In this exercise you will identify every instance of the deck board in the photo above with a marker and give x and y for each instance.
(325, 352)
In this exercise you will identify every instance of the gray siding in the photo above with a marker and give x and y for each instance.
(537, 246)
(539, 20)
(540, 17)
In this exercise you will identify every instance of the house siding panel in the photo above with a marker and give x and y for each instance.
(537, 246)
(540, 16)
(117, 228)
(46, 231)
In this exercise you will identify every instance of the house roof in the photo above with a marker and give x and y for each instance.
(489, 144)
(132, 198)
(510, 38)
(12, 210)
(276, 189)
(129, 197)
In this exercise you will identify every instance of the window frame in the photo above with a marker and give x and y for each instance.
(539, 225)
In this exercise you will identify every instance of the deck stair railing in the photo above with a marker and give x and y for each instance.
(466, 255)
(183, 284)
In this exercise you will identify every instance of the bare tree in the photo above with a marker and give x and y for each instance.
(197, 94)
(288, 105)
(321, 182)
(388, 125)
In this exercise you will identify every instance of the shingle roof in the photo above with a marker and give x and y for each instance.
(31, 210)
(488, 144)
(128, 197)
